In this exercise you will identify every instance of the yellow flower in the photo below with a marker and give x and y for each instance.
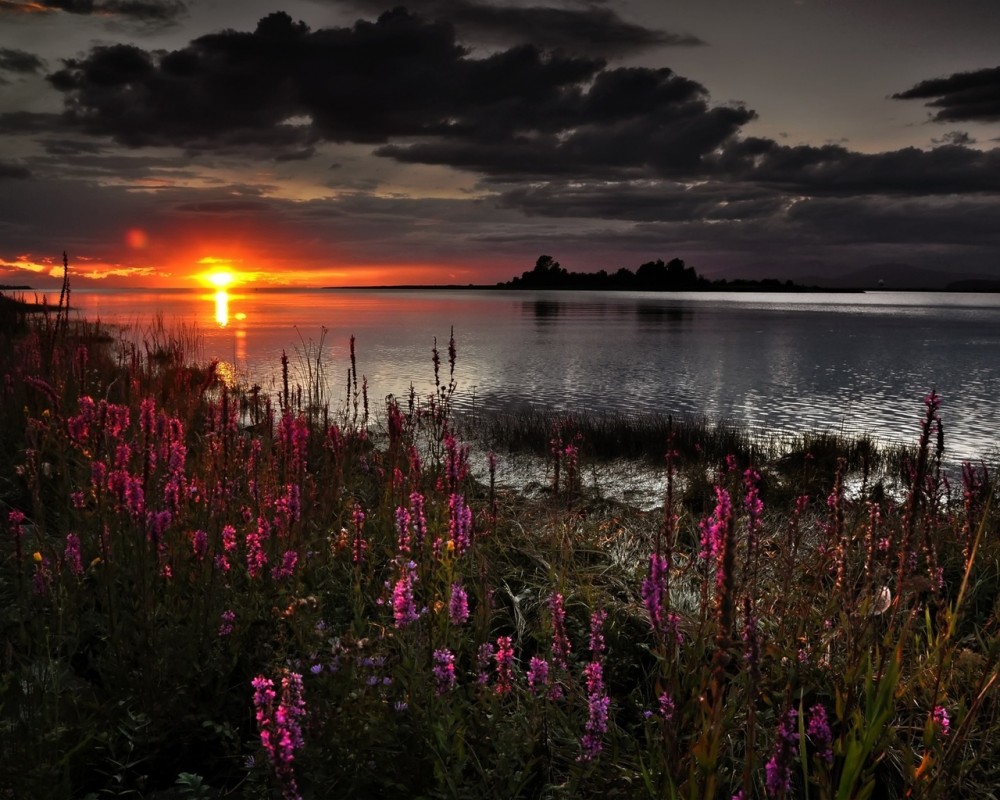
(451, 545)
(95, 562)
(37, 556)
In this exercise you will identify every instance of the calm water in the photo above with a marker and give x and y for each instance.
(837, 362)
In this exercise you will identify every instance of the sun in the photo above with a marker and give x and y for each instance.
(220, 279)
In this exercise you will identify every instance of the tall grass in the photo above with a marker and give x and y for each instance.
(212, 591)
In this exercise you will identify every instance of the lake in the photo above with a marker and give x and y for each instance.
(852, 363)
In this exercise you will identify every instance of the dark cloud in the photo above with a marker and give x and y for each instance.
(15, 171)
(589, 26)
(962, 97)
(833, 169)
(223, 207)
(156, 11)
(400, 76)
(19, 61)
(645, 201)
(955, 221)
(14, 123)
(961, 138)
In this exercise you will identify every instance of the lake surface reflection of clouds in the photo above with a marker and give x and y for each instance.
(851, 362)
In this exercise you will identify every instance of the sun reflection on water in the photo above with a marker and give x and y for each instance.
(222, 308)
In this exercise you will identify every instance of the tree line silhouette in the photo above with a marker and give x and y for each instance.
(653, 276)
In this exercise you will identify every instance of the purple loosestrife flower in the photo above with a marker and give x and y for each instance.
(560, 641)
(459, 523)
(598, 704)
(72, 554)
(458, 605)
(778, 770)
(403, 530)
(289, 504)
(941, 721)
(287, 567)
(79, 426)
(419, 520)
(157, 523)
(359, 545)
(256, 557)
(134, 498)
(714, 531)
(199, 544)
(147, 416)
(653, 590)
(484, 657)
(404, 609)
(666, 707)
(505, 664)
(596, 633)
(280, 726)
(228, 618)
(538, 674)
(444, 670)
(819, 732)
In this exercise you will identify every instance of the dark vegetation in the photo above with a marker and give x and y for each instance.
(209, 591)
(653, 276)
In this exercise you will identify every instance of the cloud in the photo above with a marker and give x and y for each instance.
(962, 97)
(19, 61)
(13, 171)
(155, 11)
(398, 77)
(835, 170)
(585, 25)
(962, 138)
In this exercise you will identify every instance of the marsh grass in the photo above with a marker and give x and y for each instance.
(216, 590)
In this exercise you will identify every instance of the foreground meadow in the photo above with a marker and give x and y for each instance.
(209, 590)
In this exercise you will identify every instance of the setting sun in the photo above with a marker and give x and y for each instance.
(221, 279)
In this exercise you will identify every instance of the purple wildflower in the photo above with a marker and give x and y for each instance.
(199, 543)
(287, 567)
(596, 633)
(404, 609)
(403, 529)
(458, 605)
(666, 707)
(256, 557)
(714, 531)
(819, 732)
(653, 591)
(505, 664)
(228, 618)
(598, 704)
(444, 670)
(560, 641)
(72, 554)
(941, 720)
(459, 523)
(778, 770)
(360, 545)
(483, 658)
(280, 726)
(418, 518)
(538, 674)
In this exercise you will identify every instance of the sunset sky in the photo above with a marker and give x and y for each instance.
(338, 142)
